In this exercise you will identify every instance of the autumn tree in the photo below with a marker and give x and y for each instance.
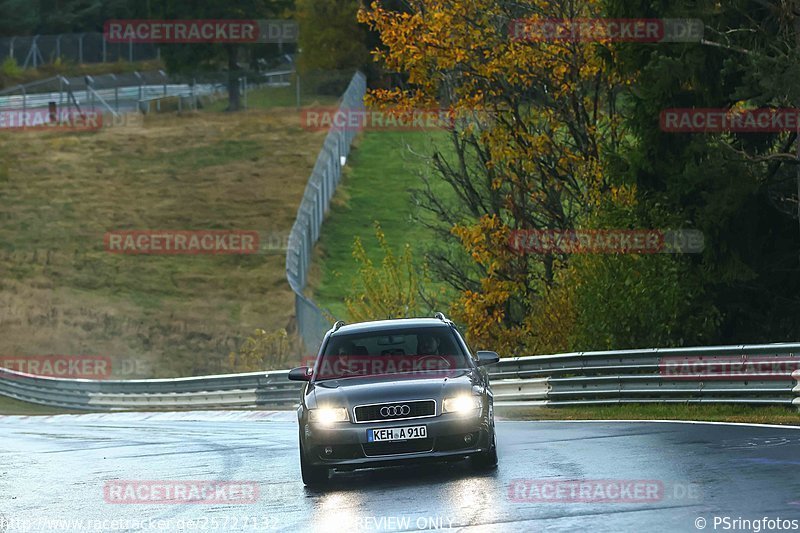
(540, 123)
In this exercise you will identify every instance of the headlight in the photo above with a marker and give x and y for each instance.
(462, 404)
(328, 415)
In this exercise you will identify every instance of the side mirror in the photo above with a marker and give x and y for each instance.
(301, 373)
(487, 358)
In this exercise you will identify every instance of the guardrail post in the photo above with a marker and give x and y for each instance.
(164, 75)
(116, 92)
(141, 84)
(796, 401)
(89, 82)
(24, 102)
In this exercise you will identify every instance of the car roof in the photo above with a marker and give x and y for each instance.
(385, 325)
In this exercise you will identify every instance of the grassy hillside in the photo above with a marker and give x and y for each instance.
(61, 293)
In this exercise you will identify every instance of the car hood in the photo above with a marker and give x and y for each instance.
(353, 391)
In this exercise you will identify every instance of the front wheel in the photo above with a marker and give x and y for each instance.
(486, 460)
(312, 475)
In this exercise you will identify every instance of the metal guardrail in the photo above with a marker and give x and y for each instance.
(256, 389)
(311, 321)
(584, 378)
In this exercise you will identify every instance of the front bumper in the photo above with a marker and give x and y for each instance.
(350, 448)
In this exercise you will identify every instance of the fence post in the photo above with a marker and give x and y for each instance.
(297, 90)
(80, 48)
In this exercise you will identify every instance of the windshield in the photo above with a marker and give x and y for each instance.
(404, 351)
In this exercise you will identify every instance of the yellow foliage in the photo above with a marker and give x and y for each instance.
(389, 291)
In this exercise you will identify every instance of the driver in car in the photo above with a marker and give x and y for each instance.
(427, 345)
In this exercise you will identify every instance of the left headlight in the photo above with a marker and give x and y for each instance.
(328, 415)
(464, 405)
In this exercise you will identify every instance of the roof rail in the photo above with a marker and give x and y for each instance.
(338, 324)
(443, 318)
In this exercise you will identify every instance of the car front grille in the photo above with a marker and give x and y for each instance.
(395, 411)
(374, 449)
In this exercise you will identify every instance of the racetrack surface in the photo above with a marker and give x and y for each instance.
(53, 471)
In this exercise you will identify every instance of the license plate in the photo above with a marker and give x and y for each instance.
(390, 434)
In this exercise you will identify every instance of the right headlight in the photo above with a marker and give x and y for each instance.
(464, 405)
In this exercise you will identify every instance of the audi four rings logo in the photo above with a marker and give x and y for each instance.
(395, 410)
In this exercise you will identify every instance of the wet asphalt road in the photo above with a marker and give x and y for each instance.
(53, 471)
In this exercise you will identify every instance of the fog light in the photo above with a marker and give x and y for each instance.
(468, 438)
(328, 450)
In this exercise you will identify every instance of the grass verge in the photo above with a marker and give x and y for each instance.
(10, 406)
(380, 173)
(754, 414)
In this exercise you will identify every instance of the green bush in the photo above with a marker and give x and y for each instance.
(10, 68)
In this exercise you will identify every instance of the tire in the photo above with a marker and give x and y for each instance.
(486, 460)
(313, 476)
